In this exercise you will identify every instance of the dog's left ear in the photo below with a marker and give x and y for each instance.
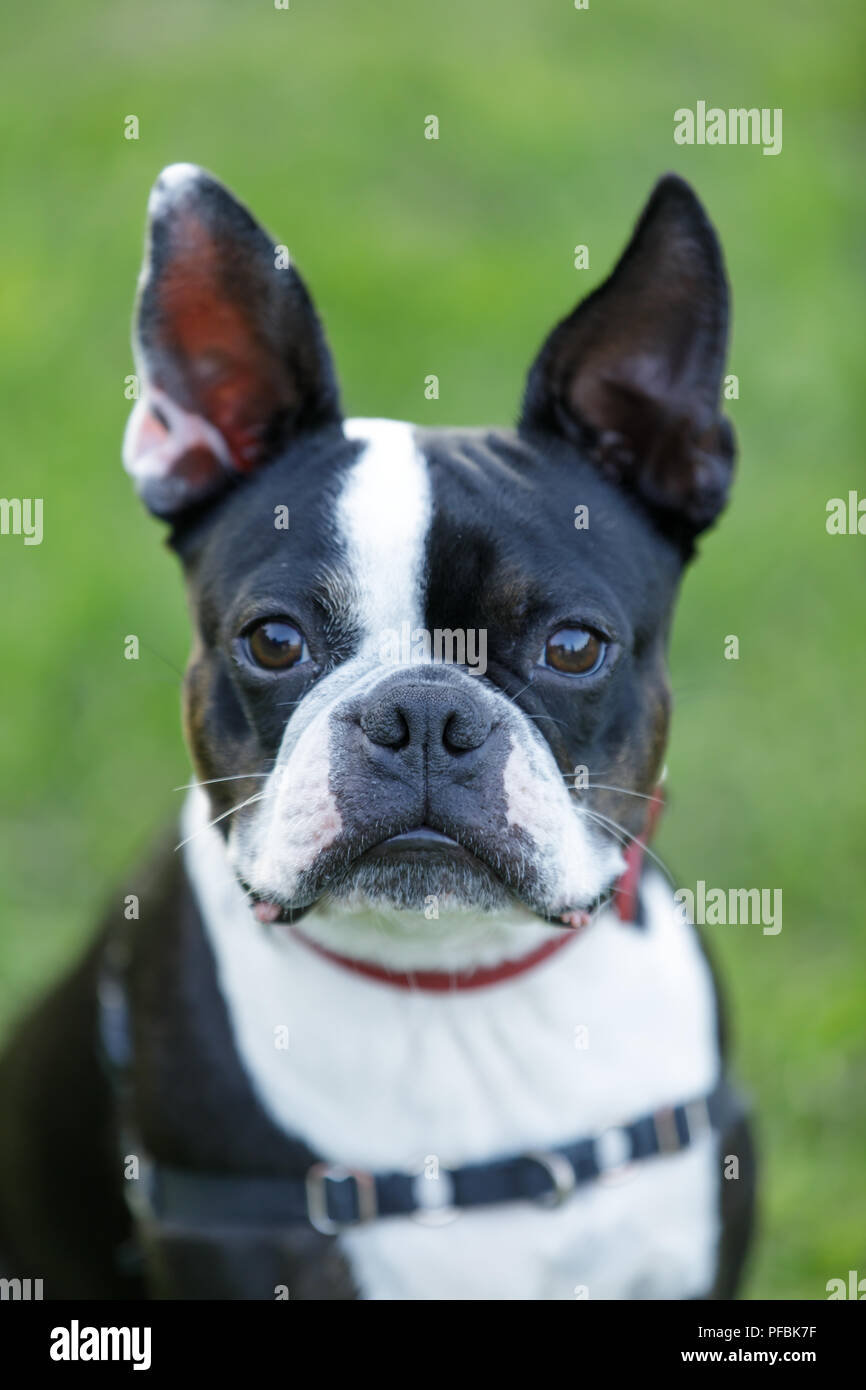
(633, 375)
(231, 357)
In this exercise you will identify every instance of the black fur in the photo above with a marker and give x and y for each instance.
(63, 1215)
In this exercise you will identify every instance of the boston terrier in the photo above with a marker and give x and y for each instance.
(410, 1012)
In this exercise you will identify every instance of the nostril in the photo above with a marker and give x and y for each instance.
(421, 718)
(386, 725)
(463, 732)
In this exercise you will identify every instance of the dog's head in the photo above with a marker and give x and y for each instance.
(428, 665)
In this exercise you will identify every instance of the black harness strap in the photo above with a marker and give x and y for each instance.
(330, 1197)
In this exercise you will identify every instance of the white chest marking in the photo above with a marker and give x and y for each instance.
(619, 1024)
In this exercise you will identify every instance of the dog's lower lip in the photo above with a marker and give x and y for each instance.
(422, 837)
(421, 841)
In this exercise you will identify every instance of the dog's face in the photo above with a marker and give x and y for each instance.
(428, 665)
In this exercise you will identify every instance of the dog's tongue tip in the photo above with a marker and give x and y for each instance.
(266, 912)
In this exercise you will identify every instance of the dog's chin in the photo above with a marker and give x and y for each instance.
(419, 870)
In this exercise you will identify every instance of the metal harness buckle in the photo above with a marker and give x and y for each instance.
(666, 1132)
(561, 1172)
(317, 1196)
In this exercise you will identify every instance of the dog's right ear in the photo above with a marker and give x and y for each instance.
(633, 375)
(230, 355)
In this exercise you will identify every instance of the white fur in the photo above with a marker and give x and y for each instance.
(384, 515)
(297, 817)
(151, 449)
(380, 1078)
(170, 182)
(578, 865)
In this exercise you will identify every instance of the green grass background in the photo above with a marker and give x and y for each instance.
(454, 257)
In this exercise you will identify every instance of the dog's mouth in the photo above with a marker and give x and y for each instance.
(416, 869)
(408, 869)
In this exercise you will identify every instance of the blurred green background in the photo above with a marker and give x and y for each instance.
(455, 257)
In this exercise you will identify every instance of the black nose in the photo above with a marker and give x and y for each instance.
(426, 718)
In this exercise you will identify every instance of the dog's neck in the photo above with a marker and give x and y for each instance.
(351, 1046)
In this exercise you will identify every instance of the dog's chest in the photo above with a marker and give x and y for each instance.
(616, 1025)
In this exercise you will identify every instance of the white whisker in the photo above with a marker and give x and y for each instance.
(603, 787)
(615, 826)
(211, 781)
(259, 796)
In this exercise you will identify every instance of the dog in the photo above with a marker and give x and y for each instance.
(410, 1013)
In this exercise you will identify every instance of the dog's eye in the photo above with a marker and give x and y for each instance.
(275, 645)
(575, 651)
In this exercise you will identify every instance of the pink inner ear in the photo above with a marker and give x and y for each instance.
(174, 455)
(228, 348)
(214, 311)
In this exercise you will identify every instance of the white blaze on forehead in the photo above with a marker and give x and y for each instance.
(383, 515)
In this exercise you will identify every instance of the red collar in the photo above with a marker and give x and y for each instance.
(625, 900)
(443, 981)
(625, 905)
